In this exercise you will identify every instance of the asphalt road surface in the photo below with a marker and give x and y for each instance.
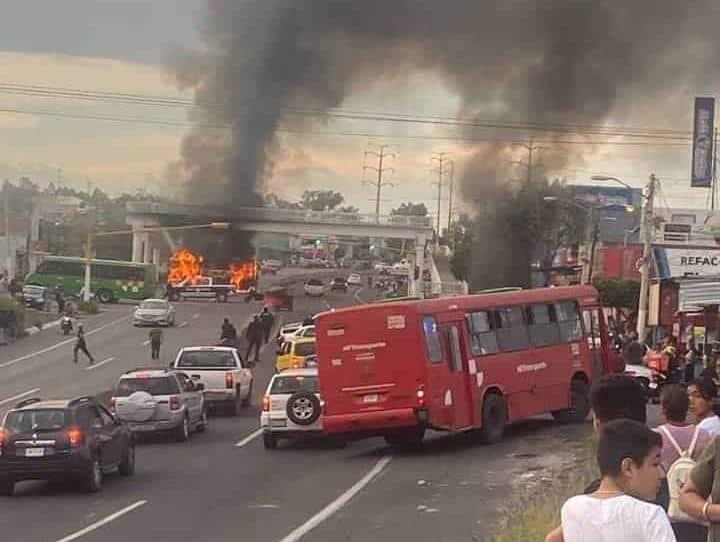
(223, 486)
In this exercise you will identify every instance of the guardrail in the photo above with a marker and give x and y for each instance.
(270, 214)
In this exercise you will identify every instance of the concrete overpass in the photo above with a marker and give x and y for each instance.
(143, 214)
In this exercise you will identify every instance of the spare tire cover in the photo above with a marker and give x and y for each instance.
(138, 407)
(303, 408)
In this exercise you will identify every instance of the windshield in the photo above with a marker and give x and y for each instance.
(153, 305)
(206, 358)
(35, 290)
(24, 421)
(304, 349)
(154, 386)
(292, 384)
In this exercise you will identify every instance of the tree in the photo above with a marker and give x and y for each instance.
(618, 293)
(410, 209)
(321, 200)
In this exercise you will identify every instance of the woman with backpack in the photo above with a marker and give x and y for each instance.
(682, 445)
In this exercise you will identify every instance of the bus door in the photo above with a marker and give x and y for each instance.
(594, 331)
(457, 398)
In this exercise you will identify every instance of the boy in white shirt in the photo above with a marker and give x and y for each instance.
(629, 458)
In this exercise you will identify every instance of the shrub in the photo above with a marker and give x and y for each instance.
(90, 307)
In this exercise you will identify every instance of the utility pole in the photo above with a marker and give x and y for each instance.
(379, 184)
(9, 260)
(648, 231)
(531, 149)
(441, 158)
(450, 198)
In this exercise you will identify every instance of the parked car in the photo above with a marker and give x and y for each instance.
(227, 378)
(293, 354)
(159, 400)
(61, 440)
(36, 297)
(286, 331)
(355, 280)
(291, 407)
(339, 283)
(304, 332)
(154, 312)
(314, 287)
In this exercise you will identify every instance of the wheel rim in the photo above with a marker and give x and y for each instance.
(303, 408)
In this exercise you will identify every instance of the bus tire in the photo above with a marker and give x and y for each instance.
(580, 404)
(105, 296)
(494, 418)
(406, 440)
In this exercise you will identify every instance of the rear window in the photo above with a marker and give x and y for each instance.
(24, 421)
(292, 384)
(154, 386)
(304, 349)
(315, 282)
(339, 280)
(207, 359)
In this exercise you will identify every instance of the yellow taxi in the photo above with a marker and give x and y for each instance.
(295, 354)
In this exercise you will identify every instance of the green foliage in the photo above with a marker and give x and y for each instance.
(321, 200)
(89, 307)
(9, 304)
(410, 209)
(618, 293)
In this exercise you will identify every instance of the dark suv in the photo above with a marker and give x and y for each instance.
(57, 440)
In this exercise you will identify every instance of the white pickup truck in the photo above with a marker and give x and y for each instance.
(228, 380)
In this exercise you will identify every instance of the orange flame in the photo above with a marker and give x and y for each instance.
(185, 265)
(243, 275)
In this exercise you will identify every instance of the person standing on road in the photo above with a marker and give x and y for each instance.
(634, 351)
(267, 320)
(155, 342)
(81, 345)
(254, 336)
(228, 333)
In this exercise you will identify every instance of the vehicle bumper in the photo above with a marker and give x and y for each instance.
(60, 465)
(370, 423)
(281, 426)
(145, 322)
(219, 396)
(155, 426)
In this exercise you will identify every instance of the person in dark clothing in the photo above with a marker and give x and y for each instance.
(267, 320)
(228, 333)
(634, 351)
(81, 345)
(308, 320)
(155, 342)
(254, 336)
(60, 300)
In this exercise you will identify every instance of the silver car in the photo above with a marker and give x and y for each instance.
(160, 400)
(154, 312)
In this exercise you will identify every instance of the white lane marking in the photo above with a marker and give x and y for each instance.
(61, 343)
(96, 365)
(19, 396)
(104, 521)
(195, 316)
(338, 503)
(255, 434)
(182, 324)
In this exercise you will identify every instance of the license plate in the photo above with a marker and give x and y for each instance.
(652, 385)
(34, 452)
(278, 423)
(370, 398)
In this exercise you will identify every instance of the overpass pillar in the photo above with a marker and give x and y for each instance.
(137, 247)
(420, 241)
(147, 250)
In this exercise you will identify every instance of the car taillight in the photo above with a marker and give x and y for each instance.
(229, 380)
(3, 437)
(421, 395)
(266, 403)
(174, 402)
(76, 436)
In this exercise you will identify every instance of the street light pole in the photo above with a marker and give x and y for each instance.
(648, 230)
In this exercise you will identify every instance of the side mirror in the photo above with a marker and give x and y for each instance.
(200, 386)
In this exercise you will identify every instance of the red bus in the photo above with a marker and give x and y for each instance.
(458, 363)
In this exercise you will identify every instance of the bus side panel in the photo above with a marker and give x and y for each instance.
(371, 365)
(562, 362)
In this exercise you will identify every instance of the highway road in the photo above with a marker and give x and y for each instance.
(223, 486)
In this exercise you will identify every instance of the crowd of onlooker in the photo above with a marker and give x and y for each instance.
(658, 485)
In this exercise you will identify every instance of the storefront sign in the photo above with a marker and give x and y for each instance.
(682, 262)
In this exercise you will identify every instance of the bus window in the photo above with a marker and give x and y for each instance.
(512, 334)
(568, 318)
(482, 333)
(543, 327)
(432, 339)
(456, 364)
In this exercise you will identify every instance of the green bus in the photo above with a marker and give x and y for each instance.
(110, 280)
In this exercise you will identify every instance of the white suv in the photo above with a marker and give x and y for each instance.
(291, 406)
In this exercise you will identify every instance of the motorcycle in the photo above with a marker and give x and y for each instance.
(66, 325)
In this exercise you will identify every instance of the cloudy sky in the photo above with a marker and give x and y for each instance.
(125, 45)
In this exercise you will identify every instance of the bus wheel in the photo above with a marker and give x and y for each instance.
(105, 296)
(579, 404)
(406, 439)
(494, 418)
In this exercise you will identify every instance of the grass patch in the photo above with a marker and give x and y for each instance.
(535, 511)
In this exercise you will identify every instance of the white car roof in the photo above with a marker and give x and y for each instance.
(207, 348)
(146, 373)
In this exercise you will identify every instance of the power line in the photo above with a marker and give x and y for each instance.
(349, 133)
